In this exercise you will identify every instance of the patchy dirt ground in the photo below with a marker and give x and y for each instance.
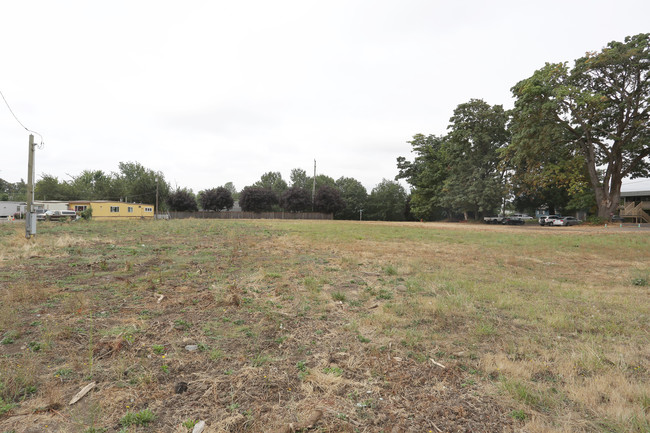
(247, 328)
(259, 327)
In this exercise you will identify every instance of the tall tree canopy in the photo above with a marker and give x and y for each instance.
(426, 174)
(182, 200)
(272, 180)
(299, 178)
(459, 172)
(328, 200)
(354, 196)
(475, 181)
(216, 199)
(13, 191)
(138, 184)
(387, 202)
(592, 120)
(296, 199)
(255, 199)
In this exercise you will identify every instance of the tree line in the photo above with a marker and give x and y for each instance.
(345, 197)
(572, 137)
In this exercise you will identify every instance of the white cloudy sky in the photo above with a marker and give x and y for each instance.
(215, 91)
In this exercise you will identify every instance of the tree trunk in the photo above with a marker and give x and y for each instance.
(608, 201)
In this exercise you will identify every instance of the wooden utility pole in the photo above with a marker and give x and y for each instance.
(30, 215)
(155, 214)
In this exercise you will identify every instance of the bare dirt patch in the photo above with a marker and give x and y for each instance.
(254, 326)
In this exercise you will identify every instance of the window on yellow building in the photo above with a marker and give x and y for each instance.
(115, 209)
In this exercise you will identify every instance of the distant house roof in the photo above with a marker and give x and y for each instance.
(635, 187)
(635, 193)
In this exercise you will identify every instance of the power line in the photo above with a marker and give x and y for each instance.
(19, 122)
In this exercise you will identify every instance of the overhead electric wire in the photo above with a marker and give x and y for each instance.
(18, 120)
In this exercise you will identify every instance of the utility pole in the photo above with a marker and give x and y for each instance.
(155, 214)
(30, 217)
(313, 188)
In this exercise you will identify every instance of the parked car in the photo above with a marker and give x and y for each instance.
(547, 220)
(566, 221)
(512, 221)
(523, 216)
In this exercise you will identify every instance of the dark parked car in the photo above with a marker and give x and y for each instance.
(512, 221)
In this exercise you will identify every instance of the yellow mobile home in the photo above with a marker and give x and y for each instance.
(110, 210)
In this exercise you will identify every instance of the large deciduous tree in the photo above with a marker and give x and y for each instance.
(216, 199)
(593, 118)
(255, 199)
(328, 200)
(354, 196)
(475, 181)
(138, 183)
(272, 180)
(461, 171)
(426, 174)
(387, 202)
(182, 200)
(299, 178)
(296, 199)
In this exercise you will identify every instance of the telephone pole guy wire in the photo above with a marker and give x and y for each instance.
(40, 146)
(30, 215)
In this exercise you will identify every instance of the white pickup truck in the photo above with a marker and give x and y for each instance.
(506, 220)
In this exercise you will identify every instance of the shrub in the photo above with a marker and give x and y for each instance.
(596, 220)
(141, 418)
(87, 213)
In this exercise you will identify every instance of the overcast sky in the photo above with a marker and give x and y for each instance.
(215, 91)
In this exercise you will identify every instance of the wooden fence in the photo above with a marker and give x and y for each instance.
(253, 215)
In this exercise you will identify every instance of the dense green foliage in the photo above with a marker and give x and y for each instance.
(328, 200)
(272, 180)
(12, 191)
(460, 172)
(296, 199)
(387, 202)
(354, 196)
(589, 123)
(182, 200)
(255, 199)
(132, 183)
(216, 199)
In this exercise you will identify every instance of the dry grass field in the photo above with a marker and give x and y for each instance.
(269, 326)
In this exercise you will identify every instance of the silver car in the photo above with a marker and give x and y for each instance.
(566, 221)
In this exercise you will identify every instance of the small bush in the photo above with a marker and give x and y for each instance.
(519, 415)
(141, 418)
(596, 220)
(390, 270)
(87, 213)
